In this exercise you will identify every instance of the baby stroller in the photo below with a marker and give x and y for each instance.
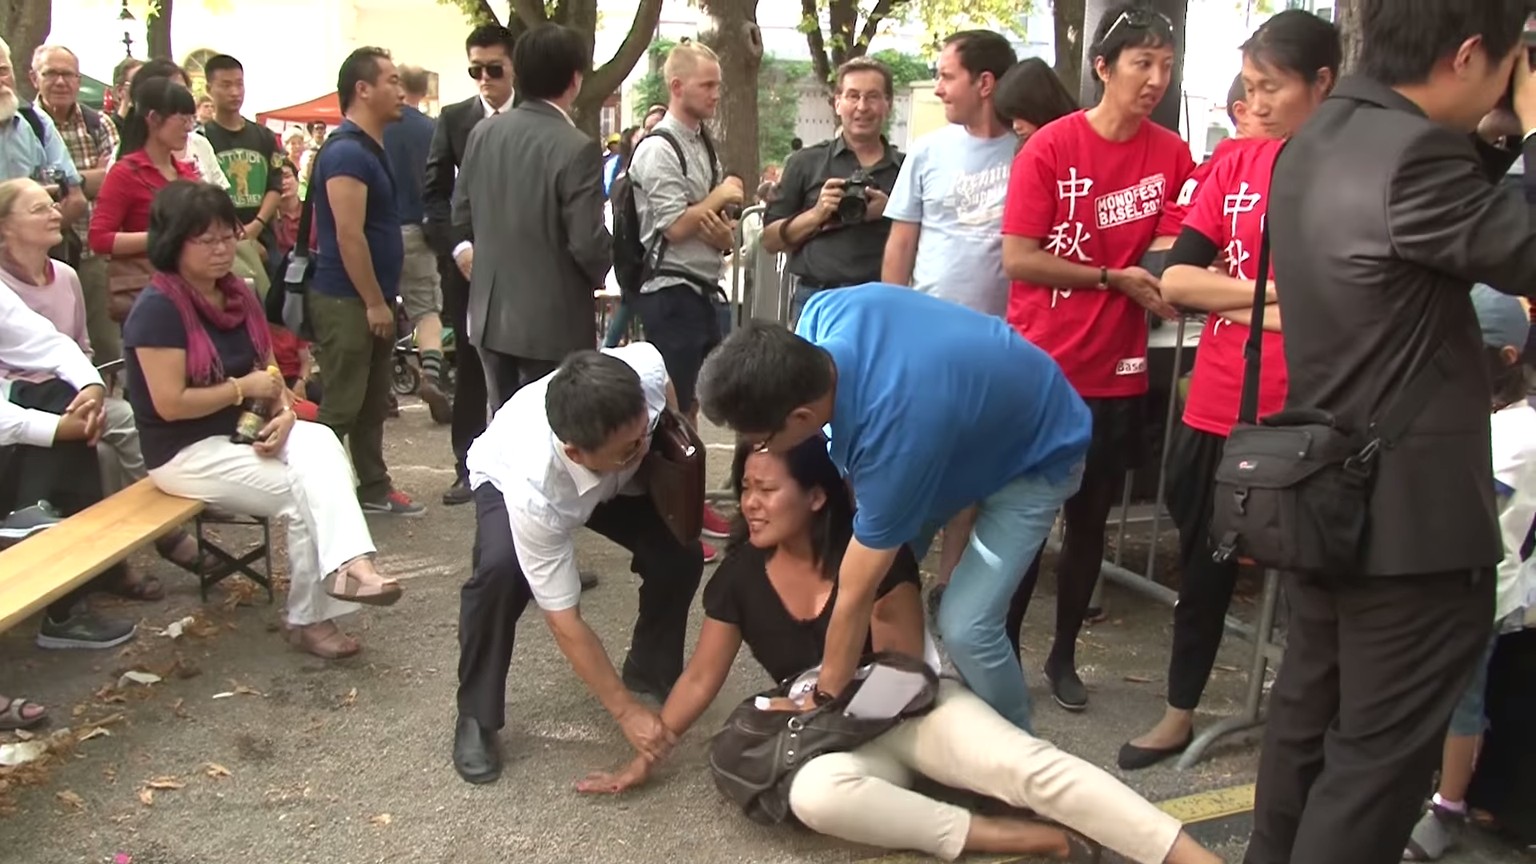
(407, 368)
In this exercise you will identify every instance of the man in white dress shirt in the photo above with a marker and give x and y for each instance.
(564, 452)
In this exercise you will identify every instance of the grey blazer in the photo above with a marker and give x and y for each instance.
(1381, 221)
(531, 192)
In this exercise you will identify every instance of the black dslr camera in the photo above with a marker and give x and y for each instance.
(855, 204)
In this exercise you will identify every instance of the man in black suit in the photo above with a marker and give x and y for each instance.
(490, 63)
(1384, 212)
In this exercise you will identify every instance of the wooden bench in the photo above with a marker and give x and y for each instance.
(51, 563)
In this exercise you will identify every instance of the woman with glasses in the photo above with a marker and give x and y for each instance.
(1289, 66)
(1086, 202)
(197, 349)
(775, 593)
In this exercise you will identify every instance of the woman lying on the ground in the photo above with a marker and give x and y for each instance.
(29, 226)
(775, 592)
(196, 346)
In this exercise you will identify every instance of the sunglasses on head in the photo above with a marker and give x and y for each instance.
(1141, 19)
(493, 70)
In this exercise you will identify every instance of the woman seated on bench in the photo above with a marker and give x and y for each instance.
(196, 346)
(29, 227)
(775, 591)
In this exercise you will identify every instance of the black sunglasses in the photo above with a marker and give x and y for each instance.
(494, 70)
(1141, 19)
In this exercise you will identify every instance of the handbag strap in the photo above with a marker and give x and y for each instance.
(1253, 349)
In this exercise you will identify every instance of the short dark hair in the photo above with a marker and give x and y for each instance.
(489, 36)
(1402, 40)
(811, 467)
(1130, 25)
(181, 211)
(1298, 42)
(123, 67)
(591, 395)
(546, 60)
(221, 63)
(983, 51)
(1031, 92)
(159, 68)
(1237, 92)
(156, 93)
(360, 67)
(759, 374)
(867, 64)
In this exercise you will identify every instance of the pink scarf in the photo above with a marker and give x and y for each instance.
(241, 308)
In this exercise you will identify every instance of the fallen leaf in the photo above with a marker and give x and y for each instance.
(93, 732)
(224, 695)
(243, 690)
(146, 797)
(24, 735)
(71, 800)
(22, 753)
(178, 708)
(382, 819)
(176, 628)
(165, 783)
(350, 699)
(1138, 679)
(110, 719)
(215, 770)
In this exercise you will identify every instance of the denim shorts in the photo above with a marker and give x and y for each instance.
(1469, 719)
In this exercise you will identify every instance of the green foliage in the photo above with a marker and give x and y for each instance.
(778, 105)
(905, 68)
(943, 17)
(652, 88)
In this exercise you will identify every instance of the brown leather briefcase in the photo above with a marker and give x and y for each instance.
(674, 472)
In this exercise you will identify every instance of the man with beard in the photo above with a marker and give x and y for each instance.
(807, 219)
(30, 145)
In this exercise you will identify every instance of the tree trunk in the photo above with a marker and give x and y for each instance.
(739, 42)
(602, 81)
(1347, 15)
(1069, 15)
(25, 24)
(158, 30)
(844, 39)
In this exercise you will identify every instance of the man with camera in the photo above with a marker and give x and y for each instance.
(1379, 650)
(829, 214)
(30, 145)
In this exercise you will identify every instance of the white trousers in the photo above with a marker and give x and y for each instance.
(865, 795)
(310, 484)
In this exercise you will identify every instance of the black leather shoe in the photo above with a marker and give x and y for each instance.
(638, 682)
(588, 580)
(459, 493)
(1067, 689)
(475, 756)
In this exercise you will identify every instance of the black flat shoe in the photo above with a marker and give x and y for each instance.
(1133, 758)
(475, 756)
(458, 493)
(589, 580)
(1068, 690)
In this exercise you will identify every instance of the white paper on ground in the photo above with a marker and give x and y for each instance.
(885, 693)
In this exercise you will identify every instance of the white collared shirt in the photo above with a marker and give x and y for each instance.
(489, 111)
(548, 496)
(29, 342)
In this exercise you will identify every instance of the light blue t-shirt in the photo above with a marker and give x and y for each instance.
(23, 155)
(954, 185)
(937, 407)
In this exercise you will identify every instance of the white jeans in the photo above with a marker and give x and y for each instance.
(865, 796)
(118, 453)
(310, 484)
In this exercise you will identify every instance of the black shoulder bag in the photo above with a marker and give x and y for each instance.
(754, 758)
(1293, 491)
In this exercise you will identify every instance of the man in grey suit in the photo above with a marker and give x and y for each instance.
(530, 191)
(1384, 211)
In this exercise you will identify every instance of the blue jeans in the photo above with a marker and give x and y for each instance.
(618, 325)
(1011, 526)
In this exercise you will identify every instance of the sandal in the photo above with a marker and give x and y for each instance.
(15, 715)
(348, 586)
(195, 560)
(327, 642)
(143, 588)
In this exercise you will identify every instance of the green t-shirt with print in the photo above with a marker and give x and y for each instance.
(251, 160)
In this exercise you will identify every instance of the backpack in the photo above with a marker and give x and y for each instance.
(634, 261)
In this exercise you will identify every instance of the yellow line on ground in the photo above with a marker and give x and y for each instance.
(1190, 809)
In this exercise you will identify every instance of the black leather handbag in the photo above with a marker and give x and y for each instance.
(1293, 491)
(755, 756)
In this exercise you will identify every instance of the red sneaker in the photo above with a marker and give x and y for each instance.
(711, 554)
(715, 525)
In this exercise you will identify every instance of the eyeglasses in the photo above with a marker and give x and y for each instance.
(209, 241)
(1141, 19)
(58, 75)
(43, 209)
(494, 71)
(642, 445)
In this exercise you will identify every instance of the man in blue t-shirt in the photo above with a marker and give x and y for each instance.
(357, 272)
(931, 408)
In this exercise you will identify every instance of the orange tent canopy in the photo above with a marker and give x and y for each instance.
(325, 108)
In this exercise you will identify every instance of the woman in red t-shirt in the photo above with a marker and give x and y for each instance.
(1289, 65)
(1085, 202)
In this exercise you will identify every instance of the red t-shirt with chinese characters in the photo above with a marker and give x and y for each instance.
(1177, 208)
(1099, 203)
(1229, 211)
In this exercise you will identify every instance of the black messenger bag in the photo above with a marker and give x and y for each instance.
(1293, 491)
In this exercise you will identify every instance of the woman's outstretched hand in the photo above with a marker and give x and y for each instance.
(636, 773)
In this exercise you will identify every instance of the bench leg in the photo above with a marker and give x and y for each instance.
(230, 564)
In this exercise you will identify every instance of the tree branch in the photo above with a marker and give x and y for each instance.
(878, 14)
(531, 11)
(607, 78)
(816, 41)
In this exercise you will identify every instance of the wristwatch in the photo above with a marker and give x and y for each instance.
(820, 697)
(1103, 278)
